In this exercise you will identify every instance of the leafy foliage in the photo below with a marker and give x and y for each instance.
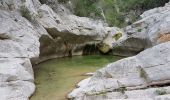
(142, 73)
(161, 91)
(63, 1)
(27, 14)
(114, 12)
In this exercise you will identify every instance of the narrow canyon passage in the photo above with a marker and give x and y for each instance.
(55, 78)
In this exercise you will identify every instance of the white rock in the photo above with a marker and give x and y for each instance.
(152, 29)
(89, 74)
(16, 90)
(20, 40)
(133, 73)
(83, 82)
(69, 24)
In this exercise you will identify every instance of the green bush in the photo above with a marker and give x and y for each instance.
(161, 91)
(114, 11)
(139, 30)
(143, 73)
(27, 14)
(63, 1)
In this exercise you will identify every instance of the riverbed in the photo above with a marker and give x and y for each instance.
(54, 79)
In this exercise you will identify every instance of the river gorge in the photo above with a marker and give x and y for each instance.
(55, 78)
(84, 49)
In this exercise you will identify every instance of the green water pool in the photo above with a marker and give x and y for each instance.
(55, 78)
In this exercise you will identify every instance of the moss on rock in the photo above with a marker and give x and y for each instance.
(117, 36)
(104, 48)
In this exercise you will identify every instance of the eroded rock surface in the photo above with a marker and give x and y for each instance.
(68, 33)
(125, 78)
(141, 77)
(18, 43)
(152, 29)
(30, 29)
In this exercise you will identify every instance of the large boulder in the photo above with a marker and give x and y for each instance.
(113, 34)
(152, 29)
(18, 43)
(16, 76)
(123, 78)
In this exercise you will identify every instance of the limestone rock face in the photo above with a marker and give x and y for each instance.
(19, 42)
(113, 34)
(140, 77)
(30, 30)
(69, 24)
(68, 33)
(152, 29)
(16, 79)
(124, 78)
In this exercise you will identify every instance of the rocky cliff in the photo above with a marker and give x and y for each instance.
(141, 77)
(152, 29)
(36, 30)
(33, 30)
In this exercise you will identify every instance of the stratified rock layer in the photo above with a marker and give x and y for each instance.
(18, 43)
(128, 77)
(152, 29)
(30, 30)
(141, 77)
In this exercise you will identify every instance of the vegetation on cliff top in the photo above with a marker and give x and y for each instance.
(114, 12)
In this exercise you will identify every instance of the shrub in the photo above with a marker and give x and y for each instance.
(122, 89)
(63, 1)
(115, 11)
(139, 30)
(161, 91)
(27, 14)
(142, 73)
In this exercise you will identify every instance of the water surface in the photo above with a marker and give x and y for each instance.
(55, 78)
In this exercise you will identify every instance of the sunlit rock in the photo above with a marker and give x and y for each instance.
(30, 30)
(152, 29)
(113, 34)
(131, 73)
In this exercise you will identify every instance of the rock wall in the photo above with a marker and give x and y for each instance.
(18, 43)
(39, 30)
(133, 77)
(141, 77)
(30, 30)
(152, 29)
(153, 26)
